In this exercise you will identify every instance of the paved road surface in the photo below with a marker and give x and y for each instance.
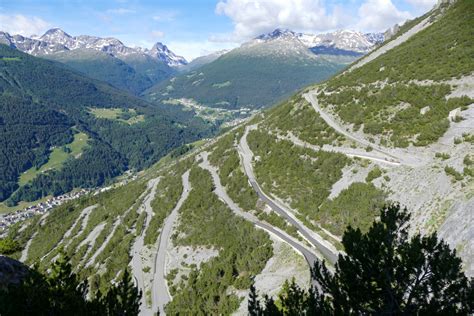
(313, 100)
(222, 194)
(160, 293)
(247, 155)
(350, 152)
(136, 262)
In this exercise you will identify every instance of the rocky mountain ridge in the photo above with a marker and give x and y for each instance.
(342, 39)
(57, 41)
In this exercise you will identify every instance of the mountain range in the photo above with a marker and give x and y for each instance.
(344, 40)
(264, 70)
(106, 59)
(263, 201)
(56, 41)
(62, 130)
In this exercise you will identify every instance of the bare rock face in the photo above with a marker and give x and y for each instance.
(57, 41)
(11, 271)
(458, 231)
(444, 2)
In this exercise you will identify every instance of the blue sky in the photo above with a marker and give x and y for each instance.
(196, 27)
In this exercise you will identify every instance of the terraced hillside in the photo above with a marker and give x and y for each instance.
(273, 195)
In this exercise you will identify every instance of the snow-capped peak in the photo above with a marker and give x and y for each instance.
(56, 36)
(56, 40)
(277, 33)
(162, 52)
(348, 40)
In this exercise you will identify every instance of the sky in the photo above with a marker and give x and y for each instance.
(194, 28)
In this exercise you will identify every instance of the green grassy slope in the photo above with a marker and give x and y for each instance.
(387, 95)
(41, 101)
(104, 67)
(235, 80)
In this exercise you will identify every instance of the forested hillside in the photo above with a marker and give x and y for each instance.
(43, 105)
(271, 198)
(246, 79)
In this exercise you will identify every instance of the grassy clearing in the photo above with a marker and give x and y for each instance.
(57, 157)
(128, 116)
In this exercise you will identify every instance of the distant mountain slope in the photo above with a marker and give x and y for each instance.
(254, 75)
(44, 105)
(102, 66)
(264, 70)
(346, 40)
(107, 59)
(270, 197)
(202, 60)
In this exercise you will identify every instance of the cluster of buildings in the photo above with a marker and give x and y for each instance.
(41, 208)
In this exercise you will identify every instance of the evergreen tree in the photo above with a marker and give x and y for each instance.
(61, 293)
(253, 304)
(124, 298)
(384, 271)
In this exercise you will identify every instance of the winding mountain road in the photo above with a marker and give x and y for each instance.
(350, 152)
(136, 262)
(223, 196)
(160, 292)
(115, 225)
(396, 159)
(83, 218)
(246, 155)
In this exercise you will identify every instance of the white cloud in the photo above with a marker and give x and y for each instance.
(253, 17)
(379, 15)
(24, 25)
(157, 34)
(422, 4)
(165, 16)
(120, 11)
(191, 50)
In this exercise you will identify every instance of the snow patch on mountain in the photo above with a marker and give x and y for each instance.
(56, 41)
(346, 40)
